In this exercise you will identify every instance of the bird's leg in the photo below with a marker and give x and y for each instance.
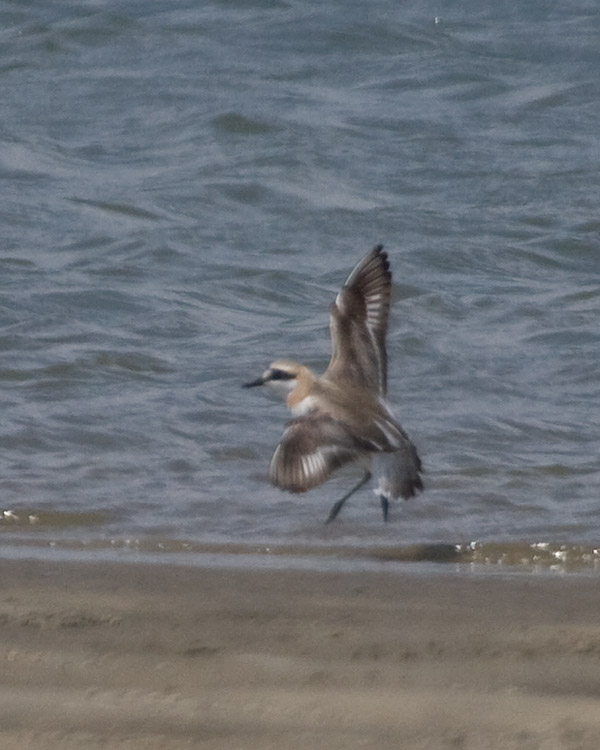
(338, 506)
(384, 506)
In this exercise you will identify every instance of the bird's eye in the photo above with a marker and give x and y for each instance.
(281, 375)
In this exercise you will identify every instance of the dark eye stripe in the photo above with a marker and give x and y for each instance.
(281, 375)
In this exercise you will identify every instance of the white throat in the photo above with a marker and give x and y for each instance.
(281, 388)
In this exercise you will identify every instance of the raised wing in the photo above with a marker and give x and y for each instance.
(358, 323)
(311, 449)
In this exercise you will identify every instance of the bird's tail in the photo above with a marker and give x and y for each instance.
(399, 472)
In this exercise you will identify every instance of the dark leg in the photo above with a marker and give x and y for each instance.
(384, 506)
(338, 506)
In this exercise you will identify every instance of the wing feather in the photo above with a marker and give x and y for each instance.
(359, 318)
(310, 450)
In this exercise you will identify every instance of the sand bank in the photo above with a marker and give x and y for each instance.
(97, 655)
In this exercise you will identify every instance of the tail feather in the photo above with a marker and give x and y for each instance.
(399, 473)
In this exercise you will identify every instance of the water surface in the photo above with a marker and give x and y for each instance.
(183, 189)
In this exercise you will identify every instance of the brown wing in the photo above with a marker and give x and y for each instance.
(358, 323)
(311, 449)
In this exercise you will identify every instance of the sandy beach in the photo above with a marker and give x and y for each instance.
(98, 655)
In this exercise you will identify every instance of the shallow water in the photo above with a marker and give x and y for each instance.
(183, 190)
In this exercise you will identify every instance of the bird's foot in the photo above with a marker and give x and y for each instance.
(385, 506)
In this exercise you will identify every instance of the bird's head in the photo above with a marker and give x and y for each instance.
(281, 376)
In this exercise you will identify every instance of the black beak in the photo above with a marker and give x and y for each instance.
(254, 383)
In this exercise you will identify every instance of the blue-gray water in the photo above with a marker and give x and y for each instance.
(183, 188)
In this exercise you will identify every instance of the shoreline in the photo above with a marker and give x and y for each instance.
(145, 656)
(508, 557)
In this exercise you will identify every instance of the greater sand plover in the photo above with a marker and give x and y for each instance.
(343, 417)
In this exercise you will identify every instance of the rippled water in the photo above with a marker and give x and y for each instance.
(183, 189)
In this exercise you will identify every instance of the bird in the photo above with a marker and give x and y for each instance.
(342, 416)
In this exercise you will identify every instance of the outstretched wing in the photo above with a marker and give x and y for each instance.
(311, 449)
(359, 318)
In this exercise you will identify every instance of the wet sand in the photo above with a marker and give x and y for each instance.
(98, 655)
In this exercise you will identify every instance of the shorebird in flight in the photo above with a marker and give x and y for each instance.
(342, 416)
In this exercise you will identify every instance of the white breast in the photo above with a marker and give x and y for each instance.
(305, 406)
